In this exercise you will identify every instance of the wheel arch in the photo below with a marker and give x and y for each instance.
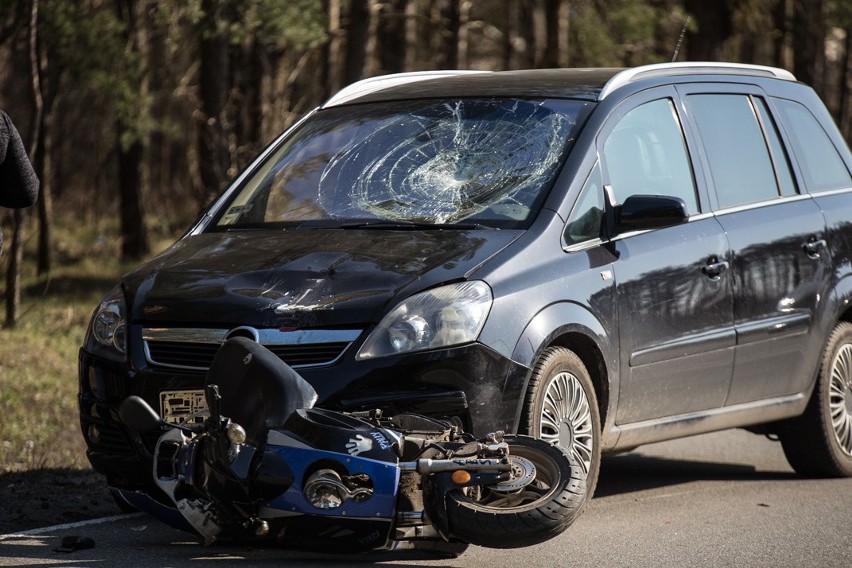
(573, 327)
(592, 358)
(846, 314)
(817, 443)
(841, 300)
(839, 309)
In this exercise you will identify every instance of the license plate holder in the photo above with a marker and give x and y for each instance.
(182, 406)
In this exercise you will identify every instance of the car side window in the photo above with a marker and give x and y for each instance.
(645, 154)
(584, 222)
(822, 167)
(737, 152)
(779, 155)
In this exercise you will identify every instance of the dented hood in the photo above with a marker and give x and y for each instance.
(300, 278)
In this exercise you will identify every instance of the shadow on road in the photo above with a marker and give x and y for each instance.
(44, 497)
(633, 472)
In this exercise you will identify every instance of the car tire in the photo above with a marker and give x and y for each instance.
(561, 407)
(819, 442)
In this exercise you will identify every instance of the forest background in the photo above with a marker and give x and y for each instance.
(137, 113)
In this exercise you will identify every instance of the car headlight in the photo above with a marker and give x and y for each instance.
(441, 317)
(107, 334)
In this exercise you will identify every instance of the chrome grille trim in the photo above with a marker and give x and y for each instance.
(205, 341)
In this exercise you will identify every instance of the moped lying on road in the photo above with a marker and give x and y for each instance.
(266, 465)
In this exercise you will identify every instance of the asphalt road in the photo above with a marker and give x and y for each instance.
(726, 499)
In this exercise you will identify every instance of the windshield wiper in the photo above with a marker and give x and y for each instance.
(409, 225)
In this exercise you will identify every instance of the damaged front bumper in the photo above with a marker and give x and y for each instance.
(471, 384)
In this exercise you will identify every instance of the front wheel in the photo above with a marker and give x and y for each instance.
(545, 494)
(819, 443)
(561, 408)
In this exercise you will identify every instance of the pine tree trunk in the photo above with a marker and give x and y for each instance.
(507, 49)
(552, 23)
(412, 37)
(16, 249)
(134, 234)
(845, 77)
(213, 89)
(42, 153)
(44, 167)
(779, 42)
(372, 65)
(808, 42)
(463, 49)
(714, 23)
(526, 27)
(13, 271)
(333, 49)
(448, 34)
(247, 103)
(357, 32)
(391, 36)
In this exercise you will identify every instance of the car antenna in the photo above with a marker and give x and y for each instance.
(680, 39)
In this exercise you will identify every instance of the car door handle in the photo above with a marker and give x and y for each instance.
(812, 247)
(714, 268)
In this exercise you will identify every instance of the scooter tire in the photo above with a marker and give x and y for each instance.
(539, 512)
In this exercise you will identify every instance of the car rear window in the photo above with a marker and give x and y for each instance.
(821, 165)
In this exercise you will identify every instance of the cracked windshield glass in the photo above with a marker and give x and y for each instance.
(485, 162)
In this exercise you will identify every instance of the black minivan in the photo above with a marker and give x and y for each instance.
(602, 258)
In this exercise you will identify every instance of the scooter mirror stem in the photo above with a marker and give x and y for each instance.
(214, 402)
(138, 415)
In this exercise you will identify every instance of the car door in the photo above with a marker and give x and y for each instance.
(777, 239)
(673, 289)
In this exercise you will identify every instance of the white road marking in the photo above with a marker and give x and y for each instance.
(79, 524)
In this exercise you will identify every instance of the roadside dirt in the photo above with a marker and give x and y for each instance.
(45, 497)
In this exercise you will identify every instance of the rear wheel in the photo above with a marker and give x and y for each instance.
(819, 443)
(561, 408)
(545, 494)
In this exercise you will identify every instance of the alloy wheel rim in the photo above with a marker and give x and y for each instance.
(840, 398)
(566, 418)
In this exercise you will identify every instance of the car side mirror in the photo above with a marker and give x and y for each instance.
(641, 212)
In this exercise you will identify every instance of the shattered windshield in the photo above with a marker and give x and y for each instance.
(484, 162)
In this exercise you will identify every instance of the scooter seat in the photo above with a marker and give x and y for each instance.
(259, 391)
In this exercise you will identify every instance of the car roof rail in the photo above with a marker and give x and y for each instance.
(373, 84)
(691, 68)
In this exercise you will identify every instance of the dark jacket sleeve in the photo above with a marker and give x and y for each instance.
(18, 181)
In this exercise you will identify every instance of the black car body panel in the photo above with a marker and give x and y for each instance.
(686, 326)
(300, 278)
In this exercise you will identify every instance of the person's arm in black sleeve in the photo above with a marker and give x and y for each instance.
(18, 181)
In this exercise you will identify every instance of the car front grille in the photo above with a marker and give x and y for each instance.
(110, 439)
(194, 349)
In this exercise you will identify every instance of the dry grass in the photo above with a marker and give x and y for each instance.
(39, 427)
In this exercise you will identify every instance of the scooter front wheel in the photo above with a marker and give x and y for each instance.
(545, 494)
